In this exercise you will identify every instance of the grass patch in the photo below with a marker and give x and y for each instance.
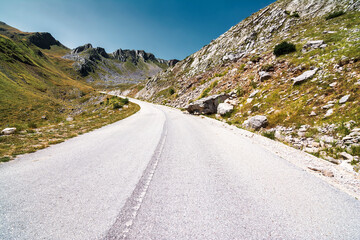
(270, 134)
(93, 116)
(205, 93)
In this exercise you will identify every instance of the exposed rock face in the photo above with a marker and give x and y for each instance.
(96, 60)
(81, 48)
(207, 105)
(133, 55)
(256, 122)
(43, 40)
(224, 108)
(172, 62)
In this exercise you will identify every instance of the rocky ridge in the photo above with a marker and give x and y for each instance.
(121, 66)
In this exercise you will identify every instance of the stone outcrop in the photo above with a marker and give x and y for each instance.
(207, 105)
(43, 40)
(256, 122)
(224, 108)
(89, 60)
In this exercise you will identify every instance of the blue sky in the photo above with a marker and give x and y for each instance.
(167, 28)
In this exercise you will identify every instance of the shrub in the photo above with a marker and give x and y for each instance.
(4, 159)
(253, 84)
(124, 101)
(295, 15)
(116, 105)
(171, 91)
(240, 91)
(334, 15)
(270, 135)
(284, 48)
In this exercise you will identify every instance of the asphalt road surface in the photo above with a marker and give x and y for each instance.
(161, 174)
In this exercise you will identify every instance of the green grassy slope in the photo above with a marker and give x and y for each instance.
(34, 82)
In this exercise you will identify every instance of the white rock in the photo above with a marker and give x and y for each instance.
(327, 139)
(8, 131)
(253, 94)
(313, 113)
(333, 84)
(69, 119)
(329, 113)
(344, 99)
(224, 108)
(347, 156)
(264, 75)
(328, 106)
(305, 76)
(256, 122)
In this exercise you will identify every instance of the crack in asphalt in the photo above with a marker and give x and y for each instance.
(124, 221)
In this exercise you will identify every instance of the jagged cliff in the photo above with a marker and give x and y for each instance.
(308, 96)
(119, 67)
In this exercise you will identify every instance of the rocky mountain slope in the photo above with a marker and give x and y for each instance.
(307, 96)
(119, 67)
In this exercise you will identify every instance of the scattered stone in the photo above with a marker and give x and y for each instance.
(314, 44)
(305, 76)
(327, 139)
(207, 105)
(327, 173)
(69, 119)
(43, 117)
(329, 113)
(312, 150)
(312, 114)
(264, 76)
(333, 84)
(256, 122)
(344, 99)
(253, 94)
(224, 108)
(328, 106)
(8, 131)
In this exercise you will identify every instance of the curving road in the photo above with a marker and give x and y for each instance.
(162, 174)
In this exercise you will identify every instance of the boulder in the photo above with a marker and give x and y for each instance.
(347, 156)
(207, 105)
(224, 108)
(344, 99)
(305, 76)
(264, 75)
(8, 131)
(256, 122)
